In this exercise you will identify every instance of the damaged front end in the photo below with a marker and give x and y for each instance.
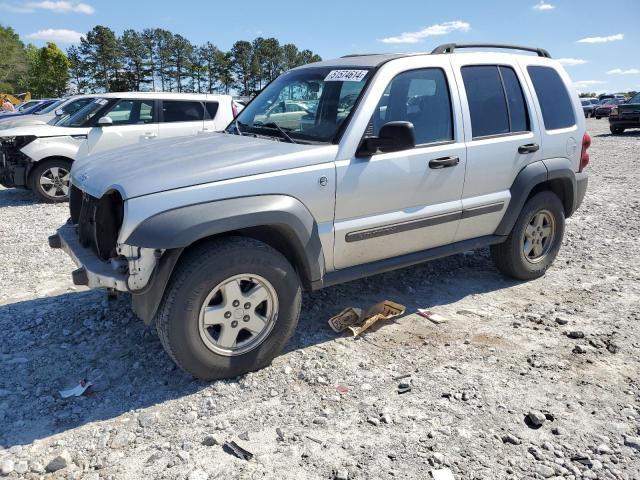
(14, 165)
(90, 238)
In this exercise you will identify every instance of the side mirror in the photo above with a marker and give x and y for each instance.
(59, 112)
(393, 137)
(105, 121)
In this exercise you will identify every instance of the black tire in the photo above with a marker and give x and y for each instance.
(53, 194)
(509, 256)
(616, 130)
(197, 274)
(597, 117)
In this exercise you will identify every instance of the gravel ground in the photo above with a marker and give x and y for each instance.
(562, 351)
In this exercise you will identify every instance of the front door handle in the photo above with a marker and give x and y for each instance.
(150, 135)
(528, 148)
(444, 162)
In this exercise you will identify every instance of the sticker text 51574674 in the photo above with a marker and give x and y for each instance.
(346, 75)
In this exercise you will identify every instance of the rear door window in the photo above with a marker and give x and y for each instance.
(182, 111)
(487, 105)
(518, 116)
(555, 103)
(496, 103)
(212, 109)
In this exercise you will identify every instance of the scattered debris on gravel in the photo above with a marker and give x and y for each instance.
(524, 380)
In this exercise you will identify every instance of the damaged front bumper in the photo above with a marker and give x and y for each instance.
(92, 271)
(14, 165)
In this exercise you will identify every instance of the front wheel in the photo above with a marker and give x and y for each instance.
(598, 117)
(616, 130)
(534, 241)
(49, 180)
(231, 306)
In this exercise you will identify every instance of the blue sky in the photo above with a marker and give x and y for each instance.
(598, 40)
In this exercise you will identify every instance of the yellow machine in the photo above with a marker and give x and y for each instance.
(16, 99)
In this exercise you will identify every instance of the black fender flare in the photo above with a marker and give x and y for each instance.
(534, 174)
(176, 229)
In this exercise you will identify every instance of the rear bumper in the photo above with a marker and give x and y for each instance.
(582, 180)
(92, 271)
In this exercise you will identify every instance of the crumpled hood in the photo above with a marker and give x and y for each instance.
(173, 163)
(42, 131)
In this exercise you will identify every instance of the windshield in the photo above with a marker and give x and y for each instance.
(635, 98)
(84, 115)
(51, 107)
(306, 105)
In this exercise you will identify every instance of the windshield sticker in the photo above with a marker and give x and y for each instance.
(102, 101)
(346, 75)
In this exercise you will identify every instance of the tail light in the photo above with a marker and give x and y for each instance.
(584, 155)
(234, 109)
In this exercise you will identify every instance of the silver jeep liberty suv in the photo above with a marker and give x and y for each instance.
(335, 171)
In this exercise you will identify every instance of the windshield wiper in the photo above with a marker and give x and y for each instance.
(277, 127)
(237, 124)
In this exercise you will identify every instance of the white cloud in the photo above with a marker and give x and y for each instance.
(59, 35)
(543, 6)
(610, 38)
(619, 71)
(571, 62)
(585, 84)
(59, 6)
(433, 30)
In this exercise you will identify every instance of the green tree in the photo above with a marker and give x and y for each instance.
(13, 65)
(163, 42)
(224, 71)
(241, 52)
(48, 74)
(135, 60)
(181, 51)
(101, 54)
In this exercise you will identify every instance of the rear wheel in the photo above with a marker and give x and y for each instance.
(616, 130)
(231, 306)
(598, 117)
(49, 180)
(535, 239)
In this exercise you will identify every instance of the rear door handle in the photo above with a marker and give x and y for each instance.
(444, 162)
(528, 148)
(150, 135)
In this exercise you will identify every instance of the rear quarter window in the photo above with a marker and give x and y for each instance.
(554, 99)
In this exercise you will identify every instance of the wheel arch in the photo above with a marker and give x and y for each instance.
(280, 221)
(555, 175)
(36, 163)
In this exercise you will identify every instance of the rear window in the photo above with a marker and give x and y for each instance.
(555, 103)
(212, 109)
(181, 111)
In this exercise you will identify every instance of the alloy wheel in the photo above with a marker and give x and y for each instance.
(54, 182)
(238, 314)
(538, 236)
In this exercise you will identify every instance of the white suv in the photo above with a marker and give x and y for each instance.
(39, 157)
(397, 159)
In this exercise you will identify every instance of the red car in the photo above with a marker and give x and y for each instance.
(604, 109)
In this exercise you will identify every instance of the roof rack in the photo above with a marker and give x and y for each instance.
(351, 55)
(451, 47)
